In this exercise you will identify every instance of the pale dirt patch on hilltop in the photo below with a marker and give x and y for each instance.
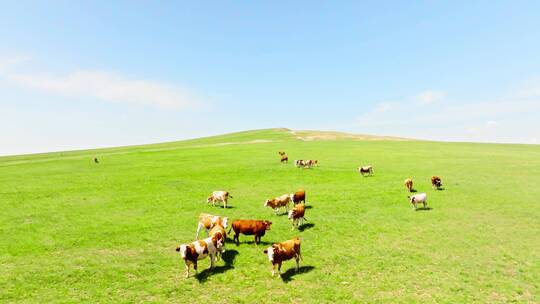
(309, 135)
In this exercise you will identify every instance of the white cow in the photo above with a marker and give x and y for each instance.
(417, 199)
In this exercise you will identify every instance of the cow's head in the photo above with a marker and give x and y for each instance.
(266, 203)
(271, 252)
(291, 214)
(225, 222)
(267, 224)
(210, 198)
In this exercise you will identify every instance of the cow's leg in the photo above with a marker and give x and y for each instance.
(195, 267)
(425, 205)
(236, 238)
(212, 260)
(225, 204)
(198, 230)
(279, 268)
(187, 270)
(273, 269)
(297, 262)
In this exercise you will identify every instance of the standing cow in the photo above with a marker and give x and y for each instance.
(208, 221)
(250, 227)
(278, 202)
(417, 199)
(366, 170)
(409, 184)
(298, 197)
(279, 252)
(219, 196)
(284, 157)
(436, 182)
(296, 215)
(198, 250)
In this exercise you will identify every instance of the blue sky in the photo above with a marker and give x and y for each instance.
(96, 74)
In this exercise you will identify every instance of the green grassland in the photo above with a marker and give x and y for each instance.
(72, 230)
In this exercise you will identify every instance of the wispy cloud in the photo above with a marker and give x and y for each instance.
(429, 97)
(102, 85)
(508, 119)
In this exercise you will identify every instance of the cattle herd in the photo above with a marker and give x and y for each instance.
(214, 245)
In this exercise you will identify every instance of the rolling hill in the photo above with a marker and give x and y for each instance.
(72, 230)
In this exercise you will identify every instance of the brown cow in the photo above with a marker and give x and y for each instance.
(250, 227)
(284, 158)
(312, 162)
(436, 182)
(299, 196)
(279, 252)
(409, 184)
(278, 202)
(297, 214)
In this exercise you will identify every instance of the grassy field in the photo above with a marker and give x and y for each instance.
(72, 230)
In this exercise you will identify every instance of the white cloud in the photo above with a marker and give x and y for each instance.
(101, 85)
(487, 127)
(429, 97)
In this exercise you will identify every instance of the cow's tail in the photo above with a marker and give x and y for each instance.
(230, 230)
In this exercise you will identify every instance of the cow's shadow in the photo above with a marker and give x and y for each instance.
(288, 275)
(423, 209)
(440, 189)
(308, 207)
(228, 257)
(260, 243)
(413, 191)
(305, 226)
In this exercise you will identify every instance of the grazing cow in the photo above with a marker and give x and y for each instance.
(299, 163)
(198, 250)
(284, 158)
(219, 233)
(366, 170)
(417, 199)
(436, 182)
(208, 221)
(279, 252)
(96, 160)
(278, 202)
(250, 227)
(408, 184)
(299, 196)
(219, 196)
(296, 215)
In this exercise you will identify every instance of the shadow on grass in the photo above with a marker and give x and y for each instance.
(423, 209)
(228, 257)
(413, 191)
(305, 226)
(440, 189)
(308, 207)
(288, 275)
(260, 243)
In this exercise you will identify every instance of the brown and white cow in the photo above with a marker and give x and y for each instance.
(299, 163)
(250, 227)
(436, 182)
(198, 250)
(298, 197)
(220, 234)
(219, 196)
(279, 252)
(409, 184)
(297, 214)
(209, 221)
(278, 202)
(366, 170)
